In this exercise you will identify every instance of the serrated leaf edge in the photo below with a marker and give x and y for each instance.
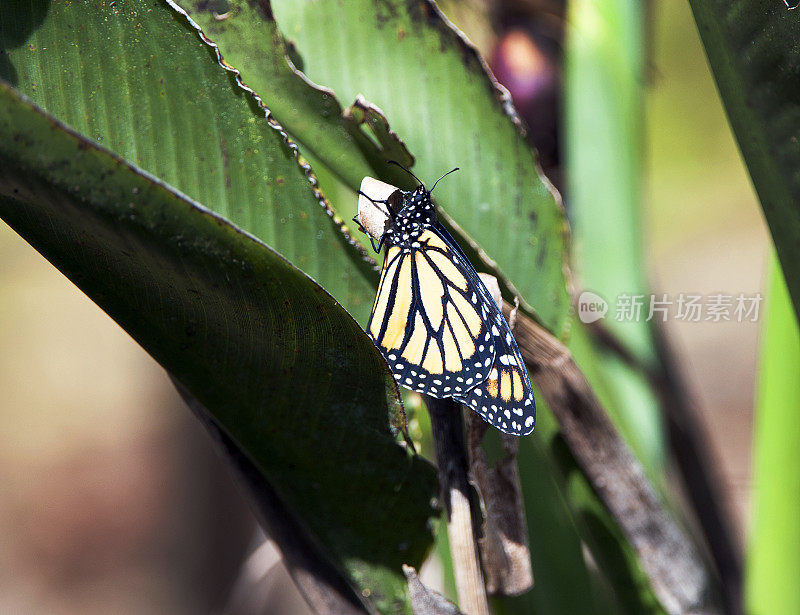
(275, 125)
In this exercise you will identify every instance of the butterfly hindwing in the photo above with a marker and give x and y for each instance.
(505, 398)
(430, 320)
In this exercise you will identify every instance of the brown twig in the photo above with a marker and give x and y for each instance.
(451, 456)
(505, 553)
(667, 555)
(690, 445)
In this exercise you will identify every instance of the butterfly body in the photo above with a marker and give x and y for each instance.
(438, 326)
(409, 223)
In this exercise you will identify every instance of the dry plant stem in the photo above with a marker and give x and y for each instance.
(690, 445)
(318, 580)
(451, 457)
(666, 553)
(505, 553)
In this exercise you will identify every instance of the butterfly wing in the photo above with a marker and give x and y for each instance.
(443, 334)
(505, 398)
(429, 319)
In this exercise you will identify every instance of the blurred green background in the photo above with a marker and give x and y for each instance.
(81, 399)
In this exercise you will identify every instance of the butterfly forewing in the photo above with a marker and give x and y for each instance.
(429, 320)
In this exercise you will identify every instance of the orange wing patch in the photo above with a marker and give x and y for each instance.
(398, 317)
(413, 352)
(449, 270)
(431, 291)
(518, 392)
(390, 264)
(491, 383)
(505, 385)
(432, 240)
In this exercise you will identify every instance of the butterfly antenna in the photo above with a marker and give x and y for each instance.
(442, 177)
(406, 170)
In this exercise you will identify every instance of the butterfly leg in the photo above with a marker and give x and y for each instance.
(379, 246)
(371, 239)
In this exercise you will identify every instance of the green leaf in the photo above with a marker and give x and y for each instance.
(773, 559)
(280, 365)
(436, 92)
(753, 49)
(283, 369)
(137, 78)
(249, 40)
(342, 145)
(604, 63)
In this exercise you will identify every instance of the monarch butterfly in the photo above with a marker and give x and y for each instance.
(437, 324)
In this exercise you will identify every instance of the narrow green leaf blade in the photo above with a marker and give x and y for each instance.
(604, 63)
(753, 49)
(773, 560)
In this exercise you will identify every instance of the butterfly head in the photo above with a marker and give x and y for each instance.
(406, 217)
(416, 214)
(417, 203)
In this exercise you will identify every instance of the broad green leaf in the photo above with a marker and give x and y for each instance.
(280, 365)
(341, 148)
(249, 40)
(137, 78)
(437, 95)
(773, 559)
(133, 76)
(754, 52)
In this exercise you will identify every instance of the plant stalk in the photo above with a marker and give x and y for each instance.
(669, 558)
(447, 426)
